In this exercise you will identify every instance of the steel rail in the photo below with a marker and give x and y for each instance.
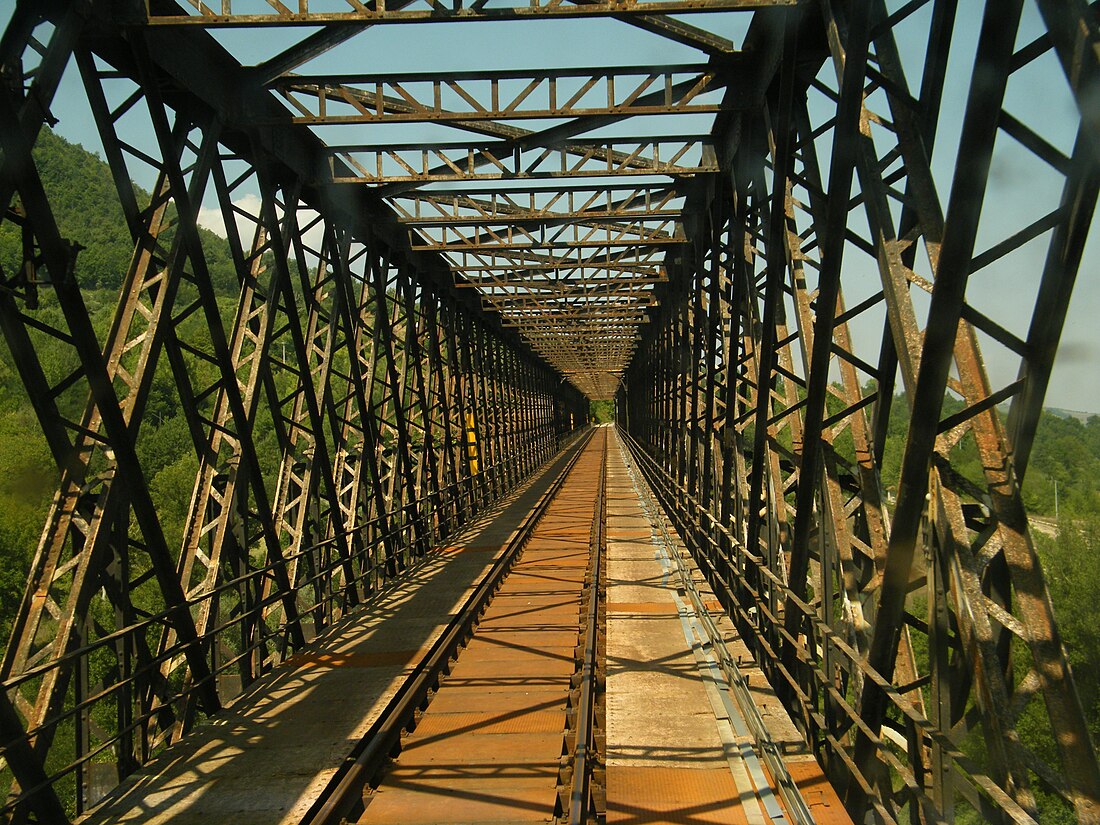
(339, 801)
(586, 706)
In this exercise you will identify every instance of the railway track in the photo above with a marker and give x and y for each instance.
(504, 719)
(504, 711)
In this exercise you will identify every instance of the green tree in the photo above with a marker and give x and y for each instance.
(26, 484)
(602, 412)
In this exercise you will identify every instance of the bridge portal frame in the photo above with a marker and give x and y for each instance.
(893, 629)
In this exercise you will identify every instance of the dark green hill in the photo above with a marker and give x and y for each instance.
(86, 207)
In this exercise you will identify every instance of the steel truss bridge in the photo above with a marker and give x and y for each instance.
(437, 269)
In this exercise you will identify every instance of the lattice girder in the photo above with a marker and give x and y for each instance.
(708, 238)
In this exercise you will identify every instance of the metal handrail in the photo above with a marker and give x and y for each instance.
(765, 745)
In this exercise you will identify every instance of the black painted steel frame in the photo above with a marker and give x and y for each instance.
(361, 360)
(710, 263)
(893, 630)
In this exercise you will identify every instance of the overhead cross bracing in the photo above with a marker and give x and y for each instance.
(559, 247)
(612, 222)
(594, 226)
(516, 228)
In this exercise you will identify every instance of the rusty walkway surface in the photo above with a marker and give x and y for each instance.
(679, 749)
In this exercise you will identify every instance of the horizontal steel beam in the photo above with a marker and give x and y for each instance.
(592, 327)
(570, 288)
(536, 190)
(618, 327)
(632, 259)
(572, 323)
(582, 306)
(541, 206)
(429, 162)
(427, 11)
(639, 274)
(491, 246)
(572, 233)
(538, 74)
(536, 219)
(505, 95)
(532, 283)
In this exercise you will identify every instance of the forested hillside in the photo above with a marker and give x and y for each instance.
(1066, 455)
(86, 207)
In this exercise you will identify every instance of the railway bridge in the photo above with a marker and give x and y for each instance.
(390, 255)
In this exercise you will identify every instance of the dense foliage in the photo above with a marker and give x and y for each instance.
(86, 207)
(602, 412)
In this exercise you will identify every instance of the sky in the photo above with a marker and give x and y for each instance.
(1021, 189)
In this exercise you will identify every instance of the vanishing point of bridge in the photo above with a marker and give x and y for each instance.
(413, 582)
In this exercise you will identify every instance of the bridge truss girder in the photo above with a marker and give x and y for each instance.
(702, 285)
(893, 636)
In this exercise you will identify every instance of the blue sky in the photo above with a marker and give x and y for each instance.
(1021, 187)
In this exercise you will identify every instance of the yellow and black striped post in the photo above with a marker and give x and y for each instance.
(471, 444)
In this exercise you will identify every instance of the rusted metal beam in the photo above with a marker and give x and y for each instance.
(504, 95)
(672, 156)
(358, 13)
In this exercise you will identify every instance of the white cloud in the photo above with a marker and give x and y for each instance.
(315, 235)
(211, 218)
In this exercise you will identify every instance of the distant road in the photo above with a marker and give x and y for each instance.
(1046, 526)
